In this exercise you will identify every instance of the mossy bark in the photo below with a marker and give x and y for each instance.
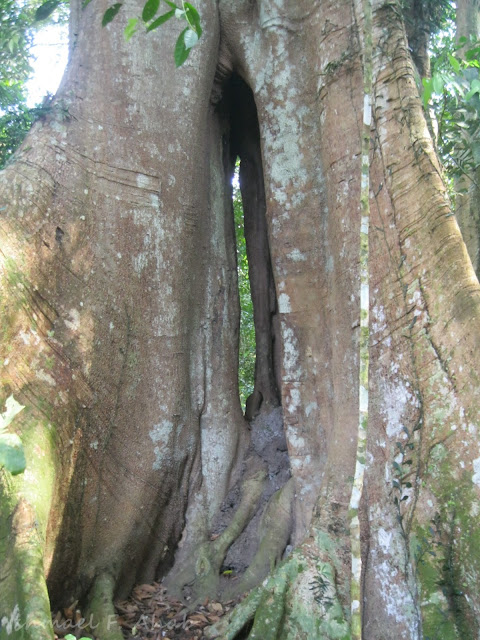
(299, 600)
(24, 508)
(100, 610)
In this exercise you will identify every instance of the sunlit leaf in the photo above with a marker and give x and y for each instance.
(438, 83)
(190, 39)
(12, 408)
(131, 28)
(454, 62)
(12, 456)
(427, 90)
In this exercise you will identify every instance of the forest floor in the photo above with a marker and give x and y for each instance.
(151, 614)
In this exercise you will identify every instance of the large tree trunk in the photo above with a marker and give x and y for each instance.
(120, 329)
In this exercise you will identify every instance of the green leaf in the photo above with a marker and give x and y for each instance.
(474, 88)
(455, 64)
(12, 456)
(156, 23)
(131, 28)
(150, 9)
(427, 91)
(190, 39)
(438, 83)
(110, 13)
(193, 18)
(46, 9)
(171, 4)
(472, 54)
(181, 52)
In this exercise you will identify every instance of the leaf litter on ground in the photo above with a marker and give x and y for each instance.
(149, 614)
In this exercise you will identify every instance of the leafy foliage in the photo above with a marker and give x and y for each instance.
(187, 39)
(246, 364)
(15, 42)
(453, 90)
(432, 14)
(14, 126)
(18, 22)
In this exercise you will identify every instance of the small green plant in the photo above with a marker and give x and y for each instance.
(69, 636)
(321, 588)
(12, 456)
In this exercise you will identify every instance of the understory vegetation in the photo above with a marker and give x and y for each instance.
(246, 355)
(18, 23)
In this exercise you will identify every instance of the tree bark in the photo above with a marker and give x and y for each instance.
(121, 306)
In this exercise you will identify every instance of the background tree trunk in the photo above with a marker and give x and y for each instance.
(468, 186)
(121, 306)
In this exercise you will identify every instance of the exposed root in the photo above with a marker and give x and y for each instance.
(300, 600)
(101, 610)
(204, 575)
(273, 533)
